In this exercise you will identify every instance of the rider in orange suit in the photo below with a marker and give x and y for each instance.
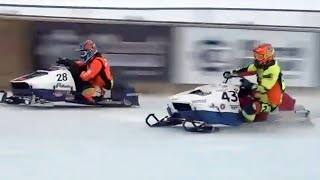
(98, 71)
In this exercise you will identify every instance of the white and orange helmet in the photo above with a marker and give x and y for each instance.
(263, 54)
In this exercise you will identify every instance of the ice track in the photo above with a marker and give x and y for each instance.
(100, 144)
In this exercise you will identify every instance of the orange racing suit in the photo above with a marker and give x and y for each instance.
(98, 75)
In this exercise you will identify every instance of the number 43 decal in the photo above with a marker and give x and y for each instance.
(227, 94)
(62, 77)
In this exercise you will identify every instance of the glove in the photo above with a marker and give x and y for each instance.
(246, 84)
(228, 74)
(64, 61)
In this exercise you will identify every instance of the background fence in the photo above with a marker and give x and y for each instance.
(158, 57)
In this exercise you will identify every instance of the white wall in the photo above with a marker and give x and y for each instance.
(198, 62)
(271, 4)
(277, 18)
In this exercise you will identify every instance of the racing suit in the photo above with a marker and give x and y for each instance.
(267, 93)
(98, 75)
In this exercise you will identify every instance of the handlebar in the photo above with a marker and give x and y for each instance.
(226, 79)
(63, 61)
(244, 83)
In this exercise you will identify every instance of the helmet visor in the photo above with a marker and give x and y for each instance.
(258, 56)
(83, 53)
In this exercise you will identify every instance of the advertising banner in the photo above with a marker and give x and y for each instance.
(134, 52)
(203, 54)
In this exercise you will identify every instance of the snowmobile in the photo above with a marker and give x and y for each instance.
(209, 107)
(60, 85)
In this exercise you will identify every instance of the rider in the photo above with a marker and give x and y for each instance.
(96, 71)
(266, 96)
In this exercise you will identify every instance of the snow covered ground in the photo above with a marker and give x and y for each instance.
(100, 144)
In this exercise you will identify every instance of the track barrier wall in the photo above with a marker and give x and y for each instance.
(159, 58)
(15, 50)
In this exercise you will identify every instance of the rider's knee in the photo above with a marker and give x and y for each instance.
(92, 92)
(248, 116)
(251, 111)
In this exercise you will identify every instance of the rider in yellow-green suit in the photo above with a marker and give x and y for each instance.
(267, 94)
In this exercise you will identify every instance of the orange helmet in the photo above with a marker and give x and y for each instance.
(263, 54)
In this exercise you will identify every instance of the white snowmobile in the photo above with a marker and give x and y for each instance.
(209, 107)
(61, 85)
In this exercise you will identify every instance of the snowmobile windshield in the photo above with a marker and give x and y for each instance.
(32, 75)
(200, 92)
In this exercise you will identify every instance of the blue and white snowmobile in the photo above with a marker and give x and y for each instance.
(61, 85)
(209, 107)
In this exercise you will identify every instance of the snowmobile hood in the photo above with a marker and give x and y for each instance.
(34, 76)
(199, 94)
(54, 78)
(29, 78)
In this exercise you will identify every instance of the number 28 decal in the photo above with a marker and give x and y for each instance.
(230, 96)
(62, 77)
